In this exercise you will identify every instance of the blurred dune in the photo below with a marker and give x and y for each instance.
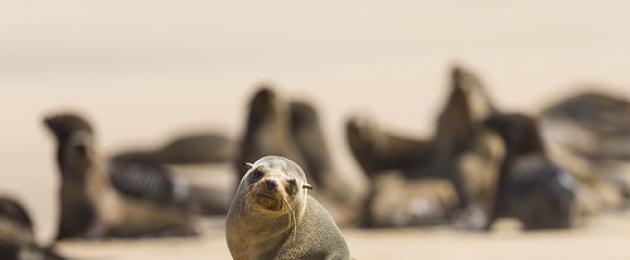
(145, 70)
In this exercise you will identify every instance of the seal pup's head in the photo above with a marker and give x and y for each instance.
(274, 186)
(268, 206)
(75, 140)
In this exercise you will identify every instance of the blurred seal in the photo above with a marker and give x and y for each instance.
(125, 198)
(16, 234)
(588, 134)
(77, 213)
(531, 188)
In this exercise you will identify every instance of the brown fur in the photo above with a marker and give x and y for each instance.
(292, 225)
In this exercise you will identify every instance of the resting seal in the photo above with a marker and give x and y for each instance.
(77, 213)
(125, 198)
(273, 217)
(588, 135)
(17, 236)
(530, 187)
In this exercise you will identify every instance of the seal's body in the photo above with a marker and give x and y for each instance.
(273, 217)
(125, 198)
(16, 234)
(588, 135)
(76, 212)
(530, 188)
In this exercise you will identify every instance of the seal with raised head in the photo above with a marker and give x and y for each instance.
(530, 187)
(125, 198)
(77, 213)
(273, 217)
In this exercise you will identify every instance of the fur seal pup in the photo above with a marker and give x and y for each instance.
(127, 198)
(76, 211)
(530, 188)
(17, 236)
(273, 217)
(588, 135)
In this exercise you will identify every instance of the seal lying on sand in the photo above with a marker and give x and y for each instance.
(16, 234)
(192, 158)
(531, 188)
(461, 152)
(588, 134)
(396, 200)
(126, 198)
(273, 217)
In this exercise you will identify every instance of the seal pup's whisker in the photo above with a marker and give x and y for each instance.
(292, 219)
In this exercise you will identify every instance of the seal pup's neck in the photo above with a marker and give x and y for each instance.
(260, 233)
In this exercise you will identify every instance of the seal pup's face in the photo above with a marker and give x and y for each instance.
(274, 185)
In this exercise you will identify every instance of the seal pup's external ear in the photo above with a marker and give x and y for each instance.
(307, 186)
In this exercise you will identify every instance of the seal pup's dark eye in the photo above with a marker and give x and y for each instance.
(257, 174)
(292, 187)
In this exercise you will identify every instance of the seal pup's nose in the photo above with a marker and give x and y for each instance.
(271, 184)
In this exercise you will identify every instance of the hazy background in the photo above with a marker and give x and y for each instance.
(144, 70)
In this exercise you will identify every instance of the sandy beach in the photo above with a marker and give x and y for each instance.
(144, 71)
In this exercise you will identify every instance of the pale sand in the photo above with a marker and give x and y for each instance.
(144, 70)
(604, 238)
